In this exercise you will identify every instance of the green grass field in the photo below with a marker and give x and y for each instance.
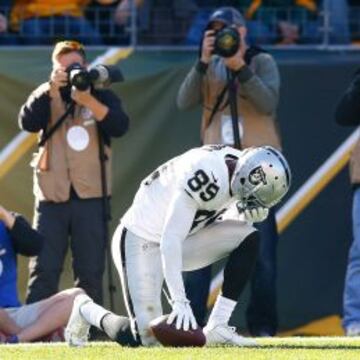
(318, 348)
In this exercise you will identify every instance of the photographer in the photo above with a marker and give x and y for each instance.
(226, 63)
(68, 182)
(348, 114)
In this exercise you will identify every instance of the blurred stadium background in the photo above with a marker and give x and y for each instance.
(155, 48)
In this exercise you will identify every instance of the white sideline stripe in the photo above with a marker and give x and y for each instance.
(7, 151)
(341, 151)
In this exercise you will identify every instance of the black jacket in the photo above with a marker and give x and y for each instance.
(35, 113)
(348, 109)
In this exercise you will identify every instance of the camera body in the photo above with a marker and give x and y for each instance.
(98, 76)
(227, 42)
(79, 77)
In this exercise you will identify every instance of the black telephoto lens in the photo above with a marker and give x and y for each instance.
(79, 77)
(227, 41)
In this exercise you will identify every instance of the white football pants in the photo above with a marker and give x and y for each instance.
(138, 262)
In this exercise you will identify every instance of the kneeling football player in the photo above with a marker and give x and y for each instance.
(191, 212)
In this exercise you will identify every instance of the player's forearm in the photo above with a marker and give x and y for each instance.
(171, 253)
(7, 325)
(178, 222)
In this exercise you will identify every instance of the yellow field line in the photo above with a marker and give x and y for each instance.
(326, 326)
(25, 143)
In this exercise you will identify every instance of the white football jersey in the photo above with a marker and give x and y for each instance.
(200, 173)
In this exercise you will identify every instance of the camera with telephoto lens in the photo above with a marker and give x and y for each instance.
(227, 41)
(98, 76)
(79, 77)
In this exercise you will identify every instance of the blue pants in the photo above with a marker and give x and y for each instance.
(261, 313)
(352, 280)
(63, 225)
(47, 30)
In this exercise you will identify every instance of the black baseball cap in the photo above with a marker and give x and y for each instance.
(227, 15)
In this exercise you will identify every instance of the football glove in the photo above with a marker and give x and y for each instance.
(256, 215)
(182, 313)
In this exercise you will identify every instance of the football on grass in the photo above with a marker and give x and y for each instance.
(168, 335)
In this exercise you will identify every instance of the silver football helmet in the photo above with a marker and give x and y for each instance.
(261, 178)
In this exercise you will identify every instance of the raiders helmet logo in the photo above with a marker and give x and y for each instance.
(257, 176)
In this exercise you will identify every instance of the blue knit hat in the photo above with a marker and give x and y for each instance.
(228, 16)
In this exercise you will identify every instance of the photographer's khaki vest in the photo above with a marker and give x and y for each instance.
(258, 128)
(355, 164)
(57, 166)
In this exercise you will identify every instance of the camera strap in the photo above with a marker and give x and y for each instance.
(231, 78)
(249, 54)
(219, 100)
(46, 135)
